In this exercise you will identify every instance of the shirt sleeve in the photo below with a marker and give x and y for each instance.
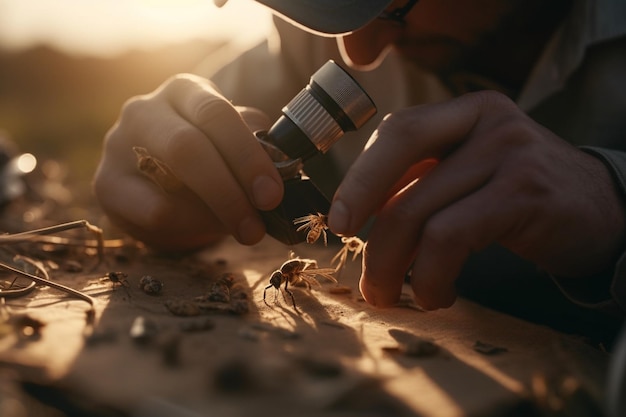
(607, 291)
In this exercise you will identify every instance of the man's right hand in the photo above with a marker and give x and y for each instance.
(225, 176)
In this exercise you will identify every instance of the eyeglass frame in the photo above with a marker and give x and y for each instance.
(398, 14)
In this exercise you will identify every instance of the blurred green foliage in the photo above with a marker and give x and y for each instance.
(60, 107)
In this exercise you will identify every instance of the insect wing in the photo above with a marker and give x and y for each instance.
(327, 273)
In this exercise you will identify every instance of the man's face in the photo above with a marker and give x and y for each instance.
(438, 34)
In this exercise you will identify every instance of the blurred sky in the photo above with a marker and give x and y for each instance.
(108, 27)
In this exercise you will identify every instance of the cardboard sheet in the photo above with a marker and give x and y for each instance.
(334, 356)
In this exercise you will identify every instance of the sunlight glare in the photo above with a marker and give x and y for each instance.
(95, 27)
(26, 163)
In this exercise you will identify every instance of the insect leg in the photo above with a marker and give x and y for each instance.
(264, 292)
(293, 300)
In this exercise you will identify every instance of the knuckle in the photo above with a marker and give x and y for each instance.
(254, 118)
(490, 100)
(134, 108)
(213, 109)
(440, 235)
(177, 82)
(399, 124)
(514, 131)
(128, 124)
(179, 143)
(135, 105)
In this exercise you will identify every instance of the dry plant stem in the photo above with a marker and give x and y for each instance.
(25, 290)
(89, 243)
(34, 234)
(55, 285)
(17, 292)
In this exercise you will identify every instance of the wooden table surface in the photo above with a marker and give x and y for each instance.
(335, 356)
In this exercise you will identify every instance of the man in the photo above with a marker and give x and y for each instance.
(489, 193)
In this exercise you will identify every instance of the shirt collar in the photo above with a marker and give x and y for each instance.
(589, 22)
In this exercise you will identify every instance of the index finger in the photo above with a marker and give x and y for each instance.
(204, 107)
(401, 140)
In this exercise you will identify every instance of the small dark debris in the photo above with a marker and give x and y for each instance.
(488, 349)
(281, 332)
(181, 307)
(238, 292)
(320, 368)
(27, 327)
(411, 345)
(170, 350)
(90, 316)
(249, 333)
(73, 266)
(333, 324)
(100, 337)
(122, 258)
(143, 330)
(221, 262)
(227, 278)
(239, 307)
(420, 348)
(234, 377)
(197, 325)
(219, 292)
(415, 349)
(150, 286)
(223, 296)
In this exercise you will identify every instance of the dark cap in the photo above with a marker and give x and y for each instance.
(332, 17)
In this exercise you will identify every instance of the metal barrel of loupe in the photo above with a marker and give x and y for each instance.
(332, 104)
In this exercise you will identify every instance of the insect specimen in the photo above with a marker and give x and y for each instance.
(118, 278)
(296, 271)
(350, 244)
(316, 224)
(157, 170)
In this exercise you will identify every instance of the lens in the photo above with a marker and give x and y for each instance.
(330, 105)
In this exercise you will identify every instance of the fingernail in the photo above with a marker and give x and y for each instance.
(339, 218)
(250, 231)
(265, 192)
